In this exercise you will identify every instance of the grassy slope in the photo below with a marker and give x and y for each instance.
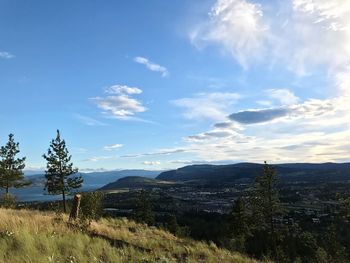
(31, 236)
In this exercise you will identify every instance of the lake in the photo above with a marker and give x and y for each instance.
(36, 193)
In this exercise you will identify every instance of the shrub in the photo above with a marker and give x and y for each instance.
(8, 201)
(91, 207)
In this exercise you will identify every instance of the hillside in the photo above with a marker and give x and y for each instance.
(248, 171)
(136, 182)
(32, 236)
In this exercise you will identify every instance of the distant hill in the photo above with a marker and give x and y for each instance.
(99, 179)
(92, 181)
(102, 178)
(136, 182)
(246, 172)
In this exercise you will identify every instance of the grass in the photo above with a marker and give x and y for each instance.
(32, 236)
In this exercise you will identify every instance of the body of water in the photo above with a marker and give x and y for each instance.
(37, 193)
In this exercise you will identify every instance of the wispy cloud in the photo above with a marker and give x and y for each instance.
(283, 96)
(151, 163)
(152, 66)
(120, 105)
(112, 147)
(6, 55)
(238, 26)
(88, 120)
(122, 89)
(99, 158)
(306, 37)
(251, 32)
(212, 106)
(158, 152)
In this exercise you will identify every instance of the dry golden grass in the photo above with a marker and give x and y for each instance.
(32, 236)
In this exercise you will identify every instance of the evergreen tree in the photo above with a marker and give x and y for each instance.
(267, 197)
(172, 224)
(143, 211)
(60, 173)
(239, 222)
(11, 167)
(267, 206)
(239, 218)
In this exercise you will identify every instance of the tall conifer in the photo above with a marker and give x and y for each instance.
(59, 172)
(267, 202)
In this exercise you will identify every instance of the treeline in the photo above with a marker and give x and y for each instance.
(61, 176)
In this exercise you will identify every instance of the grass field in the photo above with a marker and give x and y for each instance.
(32, 236)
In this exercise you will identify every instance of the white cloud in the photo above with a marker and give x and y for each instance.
(112, 147)
(152, 66)
(120, 105)
(303, 36)
(313, 131)
(283, 96)
(151, 163)
(122, 89)
(212, 106)
(6, 55)
(238, 26)
(298, 34)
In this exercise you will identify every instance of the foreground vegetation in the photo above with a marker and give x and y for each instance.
(32, 236)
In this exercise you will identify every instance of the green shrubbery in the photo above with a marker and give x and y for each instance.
(8, 201)
(91, 206)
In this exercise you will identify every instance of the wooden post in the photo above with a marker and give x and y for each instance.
(75, 208)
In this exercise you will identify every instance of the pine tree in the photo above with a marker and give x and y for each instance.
(266, 207)
(267, 197)
(143, 212)
(60, 173)
(239, 222)
(11, 174)
(239, 218)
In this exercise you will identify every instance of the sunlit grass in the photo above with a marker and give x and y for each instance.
(31, 236)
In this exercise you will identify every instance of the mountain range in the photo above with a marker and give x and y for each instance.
(219, 174)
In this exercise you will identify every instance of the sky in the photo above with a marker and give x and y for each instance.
(160, 85)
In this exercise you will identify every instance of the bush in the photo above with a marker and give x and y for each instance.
(91, 207)
(143, 212)
(8, 201)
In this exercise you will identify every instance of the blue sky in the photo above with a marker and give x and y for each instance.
(158, 85)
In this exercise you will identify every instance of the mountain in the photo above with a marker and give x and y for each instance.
(33, 236)
(136, 182)
(246, 172)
